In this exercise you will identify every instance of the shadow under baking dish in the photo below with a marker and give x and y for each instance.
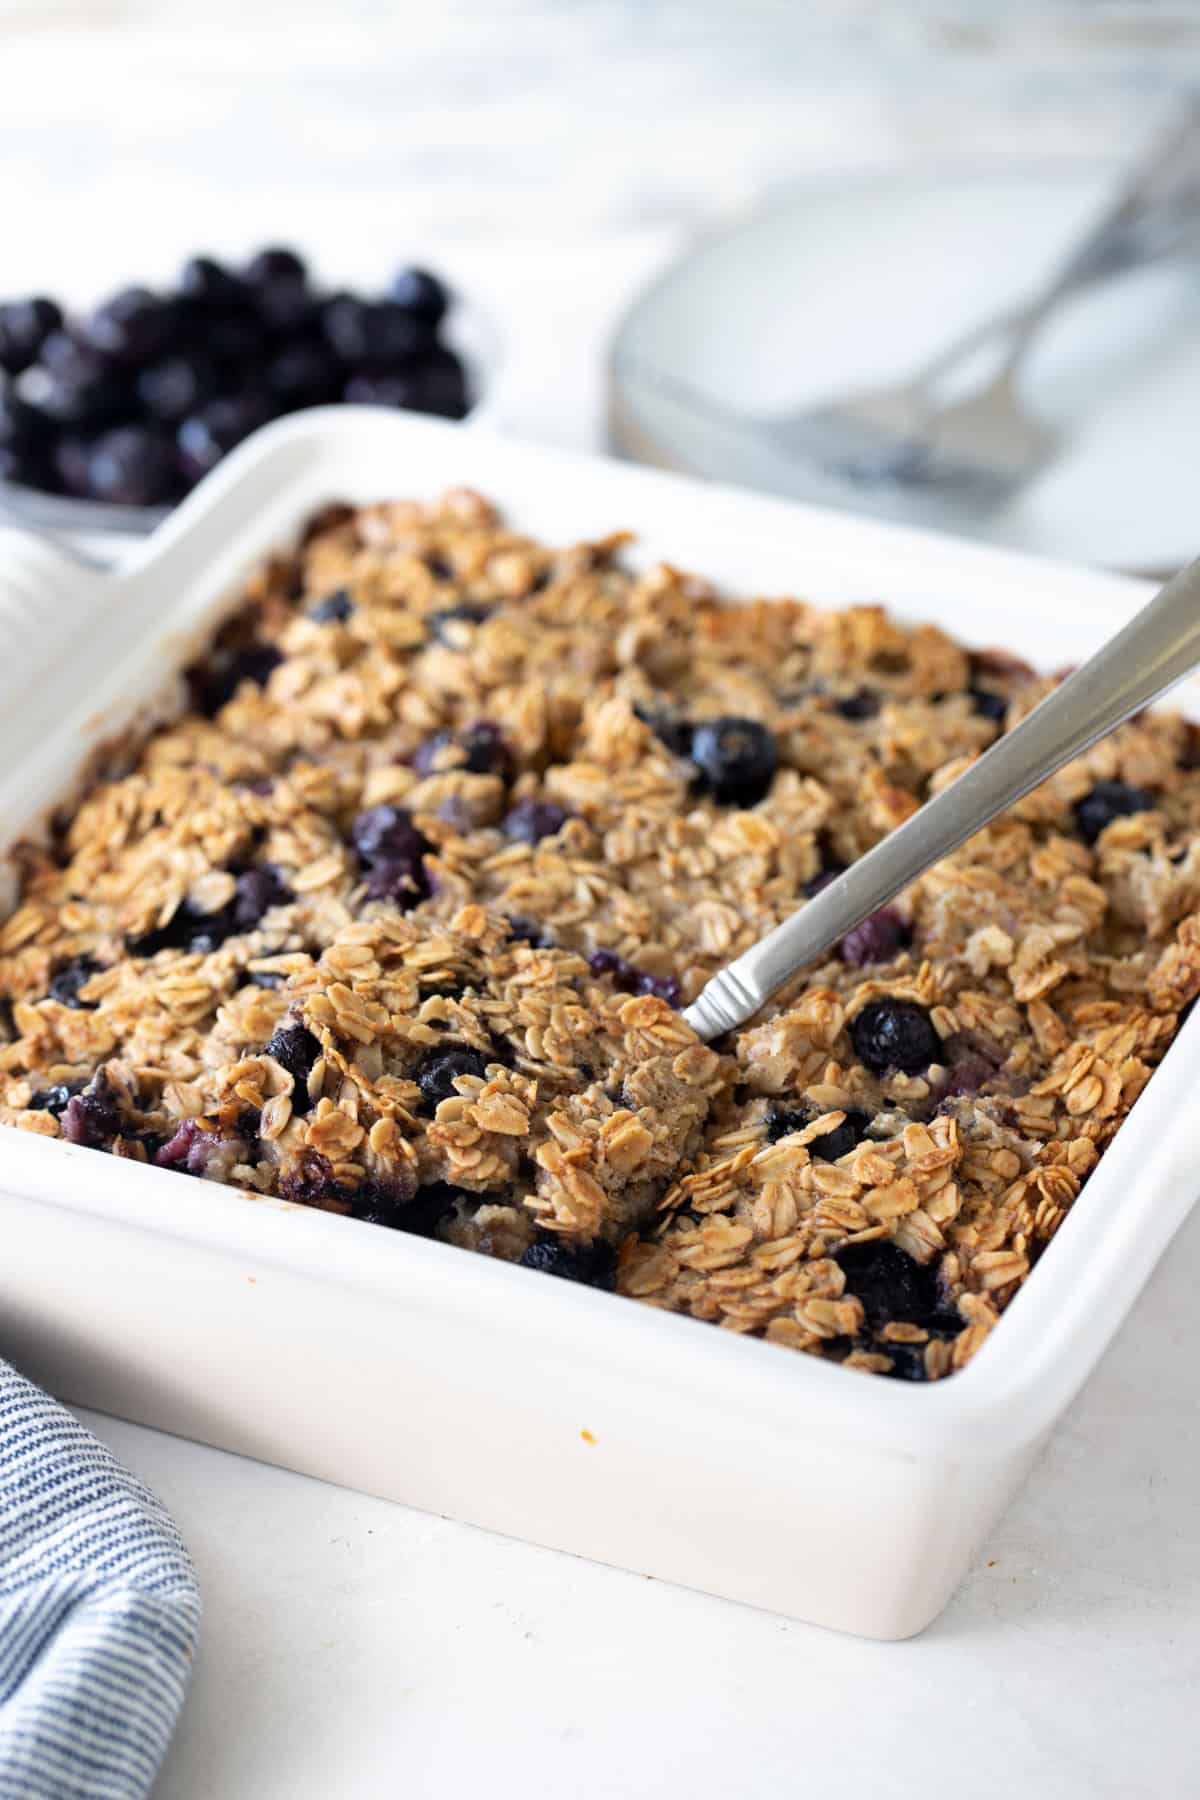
(412, 1370)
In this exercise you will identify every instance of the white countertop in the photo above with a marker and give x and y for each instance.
(551, 156)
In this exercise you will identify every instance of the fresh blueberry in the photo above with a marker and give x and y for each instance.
(275, 262)
(891, 1284)
(135, 326)
(895, 1034)
(593, 1265)
(302, 374)
(133, 465)
(335, 608)
(54, 1099)
(67, 981)
(295, 1049)
(206, 436)
(75, 385)
(437, 1073)
(442, 623)
(28, 468)
(287, 307)
(861, 705)
(256, 892)
(179, 385)
(70, 461)
(204, 279)
(988, 705)
(439, 385)
(876, 939)
(375, 333)
(737, 759)
(417, 291)
(24, 327)
(1107, 801)
(782, 1121)
(532, 820)
(232, 332)
(22, 427)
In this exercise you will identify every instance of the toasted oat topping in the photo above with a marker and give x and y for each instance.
(397, 922)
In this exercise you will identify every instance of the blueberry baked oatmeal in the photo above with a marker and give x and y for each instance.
(398, 919)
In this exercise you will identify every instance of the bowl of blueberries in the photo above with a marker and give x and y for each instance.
(109, 417)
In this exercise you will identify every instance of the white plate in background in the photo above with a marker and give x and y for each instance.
(856, 280)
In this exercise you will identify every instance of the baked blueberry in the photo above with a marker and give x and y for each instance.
(419, 1214)
(891, 1284)
(593, 1265)
(830, 871)
(481, 746)
(54, 1099)
(1107, 801)
(392, 851)
(135, 326)
(737, 759)
(417, 291)
(989, 705)
(532, 820)
(629, 979)
(256, 892)
(171, 389)
(864, 704)
(908, 1362)
(876, 939)
(675, 733)
(438, 1072)
(335, 608)
(443, 624)
(93, 1116)
(295, 1049)
(216, 682)
(895, 1034)
(24, 327)
(782, 1121)
(132, 465)
(66, 982)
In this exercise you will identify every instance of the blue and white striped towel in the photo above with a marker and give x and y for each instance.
(98, 1611)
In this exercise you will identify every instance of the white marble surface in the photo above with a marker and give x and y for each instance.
(551, 155)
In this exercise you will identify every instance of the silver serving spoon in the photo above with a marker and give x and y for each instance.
(1150, 654)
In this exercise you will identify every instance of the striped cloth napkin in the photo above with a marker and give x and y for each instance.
(99, 1610)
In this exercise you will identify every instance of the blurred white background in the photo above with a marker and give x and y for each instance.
(550, 156)
(548, 153)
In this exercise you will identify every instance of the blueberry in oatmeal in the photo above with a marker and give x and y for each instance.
(530, 821)
(440, 1071)
(66, 983)
(1107, 801)
(593, 1265)
(399, 922)
(736, 758)
(895, 1034)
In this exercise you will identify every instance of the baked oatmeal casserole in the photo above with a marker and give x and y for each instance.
(397, 922)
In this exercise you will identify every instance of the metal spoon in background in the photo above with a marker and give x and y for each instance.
(1150, 654)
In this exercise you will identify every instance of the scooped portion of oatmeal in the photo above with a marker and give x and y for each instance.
(398, 922)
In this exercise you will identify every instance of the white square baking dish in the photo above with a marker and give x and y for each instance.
(413, 1370)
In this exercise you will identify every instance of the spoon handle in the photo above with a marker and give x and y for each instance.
(1151, 653)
